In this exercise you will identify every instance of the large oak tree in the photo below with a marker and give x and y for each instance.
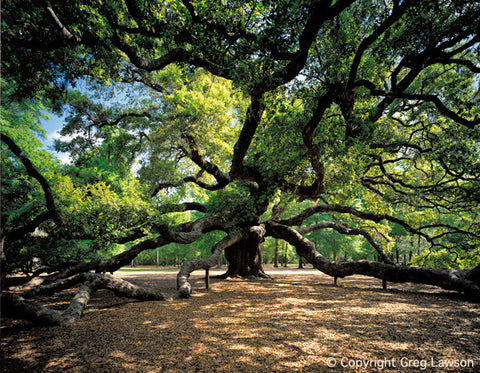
(263, 115)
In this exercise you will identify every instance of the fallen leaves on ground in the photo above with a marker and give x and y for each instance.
(298, 322)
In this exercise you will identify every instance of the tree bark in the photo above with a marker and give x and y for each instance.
(17, 306)
(183, 234)
(463, 281)
(245, 257)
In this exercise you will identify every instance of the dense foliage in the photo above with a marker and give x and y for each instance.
(363, 113)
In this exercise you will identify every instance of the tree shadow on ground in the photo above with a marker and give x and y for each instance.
(295, 323)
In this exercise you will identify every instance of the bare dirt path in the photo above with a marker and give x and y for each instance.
(298, 322)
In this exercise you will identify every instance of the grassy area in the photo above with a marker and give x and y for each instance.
(136, 269)
(153, 268)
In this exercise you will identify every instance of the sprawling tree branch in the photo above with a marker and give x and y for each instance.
(320, 12)
(119, 118)
(142, 231)
(344, 229)
(397, 12)
(252, 120)
(430, 98)
(184, 234)
(17, 306)
(457, 280)
(165, 185)
(174, 55)
(222, 178)
(307, 135)
(443, 185)
(416, 63)
(140, 76)
(53, 213)
(298, 219)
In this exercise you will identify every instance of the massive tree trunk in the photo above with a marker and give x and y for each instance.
(245, 257)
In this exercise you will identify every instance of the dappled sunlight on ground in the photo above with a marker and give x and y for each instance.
(298, 322)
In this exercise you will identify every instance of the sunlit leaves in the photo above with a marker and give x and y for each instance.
(384, 140)
(278, 150)
(236, 204)
(22, 196)
(97, 212)
(208, 108)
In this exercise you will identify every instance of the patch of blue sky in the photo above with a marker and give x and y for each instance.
(53, 125)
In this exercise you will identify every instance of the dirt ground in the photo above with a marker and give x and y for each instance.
(299, 322)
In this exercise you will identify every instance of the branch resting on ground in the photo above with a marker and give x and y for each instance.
(19, 307)
(463, 281)
(184, 234)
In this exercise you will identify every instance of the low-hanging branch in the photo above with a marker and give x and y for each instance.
(464, 281)
(19, 306)
(184, 234)
(344, 229)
